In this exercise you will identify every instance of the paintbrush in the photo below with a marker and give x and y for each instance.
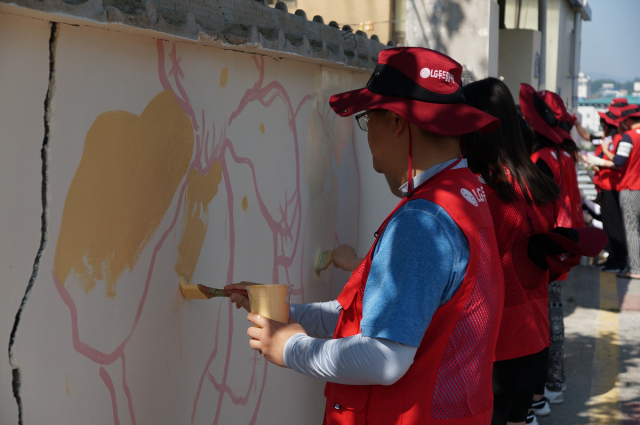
(200, 292)
(323, 261)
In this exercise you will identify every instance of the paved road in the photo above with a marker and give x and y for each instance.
(602, 350)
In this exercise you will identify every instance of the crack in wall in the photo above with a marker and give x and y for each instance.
(44, 152)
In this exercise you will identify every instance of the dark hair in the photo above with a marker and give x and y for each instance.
(489, 154)
(540, 141)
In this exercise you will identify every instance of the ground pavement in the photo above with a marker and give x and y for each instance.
(602, 350)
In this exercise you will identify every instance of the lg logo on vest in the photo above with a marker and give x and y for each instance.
(474, 196)
(437, 73)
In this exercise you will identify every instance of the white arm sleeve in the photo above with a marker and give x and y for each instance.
(318, 319)
(355, 360)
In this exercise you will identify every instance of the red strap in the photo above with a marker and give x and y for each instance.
(410, 175)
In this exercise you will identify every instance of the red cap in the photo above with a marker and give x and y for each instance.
(545, 112)
(560, 249)
(422, 86)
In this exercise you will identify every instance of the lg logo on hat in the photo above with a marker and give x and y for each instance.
(437, 73)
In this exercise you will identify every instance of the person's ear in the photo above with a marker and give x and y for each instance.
(399, 125)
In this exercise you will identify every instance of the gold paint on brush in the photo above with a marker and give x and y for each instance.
(190, 290)
(130, 170)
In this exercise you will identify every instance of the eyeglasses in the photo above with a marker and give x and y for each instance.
(363, 121)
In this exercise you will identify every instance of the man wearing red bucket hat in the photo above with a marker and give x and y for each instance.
(415, 328)
(554, 153)
(627, 158)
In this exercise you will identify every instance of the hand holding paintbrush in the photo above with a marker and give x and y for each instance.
(200, 292)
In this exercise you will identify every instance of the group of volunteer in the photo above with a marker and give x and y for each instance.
(454, 314)
(616, 175)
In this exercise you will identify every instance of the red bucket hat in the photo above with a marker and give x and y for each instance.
(545, 112)
(609, 118)
(422, 86)
(628, 112)
(617, 105)
(554, 252)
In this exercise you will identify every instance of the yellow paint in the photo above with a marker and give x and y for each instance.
(605, 390)
(195, 213)
(130, 170)
(224, 76)
(245, 204)
(262, 129)
(66, 384)
(190, 290)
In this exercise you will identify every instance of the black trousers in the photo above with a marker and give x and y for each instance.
(614, 227)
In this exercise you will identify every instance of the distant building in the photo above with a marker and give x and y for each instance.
(584, 86)
(636, 88)
(609, 90)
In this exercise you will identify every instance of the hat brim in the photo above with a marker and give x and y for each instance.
(607, 119)
(591, 242)
(533, 117)
(446, 119)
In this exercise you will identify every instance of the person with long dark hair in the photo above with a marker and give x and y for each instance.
(555, 154)
(521, 199)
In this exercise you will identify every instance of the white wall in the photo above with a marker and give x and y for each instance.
(518, 50)
(463, 30)
(24, 79)
(151, 144)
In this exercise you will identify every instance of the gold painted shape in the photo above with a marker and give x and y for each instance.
(224, 76)
(245, 204)
(129, 172)
(195, 212)
(262, 129)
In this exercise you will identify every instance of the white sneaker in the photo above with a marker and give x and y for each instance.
(531, 419)
(554, 397)
(541, 408)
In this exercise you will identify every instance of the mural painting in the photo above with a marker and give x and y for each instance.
(249, 181)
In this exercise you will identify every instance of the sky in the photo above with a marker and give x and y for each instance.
(610, 46)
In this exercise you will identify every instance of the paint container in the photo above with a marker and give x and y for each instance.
(271, 301)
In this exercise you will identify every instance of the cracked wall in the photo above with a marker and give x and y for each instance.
(24, 80)
(291, 179)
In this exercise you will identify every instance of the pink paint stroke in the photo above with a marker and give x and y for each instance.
(127, 392)
(112, 391)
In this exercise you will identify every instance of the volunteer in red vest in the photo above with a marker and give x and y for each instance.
(411, 338)
(607, 183)
(554, 153)
(521, 199)
(627, 158)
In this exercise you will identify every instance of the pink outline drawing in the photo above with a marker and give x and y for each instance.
(286, 228)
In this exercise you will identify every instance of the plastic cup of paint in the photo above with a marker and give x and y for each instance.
(271, 301)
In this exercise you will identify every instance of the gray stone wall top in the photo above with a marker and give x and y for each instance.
(232, 22)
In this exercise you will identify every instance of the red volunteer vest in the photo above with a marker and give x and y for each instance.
(524, 328)
(565, 174)
(610, 179)
(449, 382)
(631, 168)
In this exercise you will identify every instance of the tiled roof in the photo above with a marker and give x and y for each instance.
(233, 22)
